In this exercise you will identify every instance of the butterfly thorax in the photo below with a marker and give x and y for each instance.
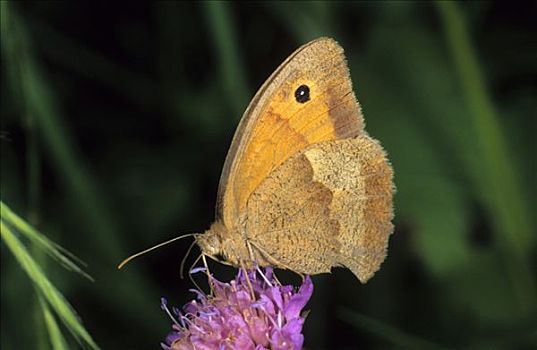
(218, 241)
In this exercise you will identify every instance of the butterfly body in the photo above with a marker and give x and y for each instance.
(304, 187)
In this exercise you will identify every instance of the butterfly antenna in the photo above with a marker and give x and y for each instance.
(124, 262)
(185, 257)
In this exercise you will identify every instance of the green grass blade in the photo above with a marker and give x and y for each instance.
(56, 337)
(400, 339)
(55, 251)
(47, 290)
(232, 70)
(499, 184)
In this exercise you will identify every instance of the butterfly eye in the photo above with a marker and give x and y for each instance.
(302, 94)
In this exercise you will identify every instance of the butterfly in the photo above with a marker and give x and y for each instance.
(304, 187)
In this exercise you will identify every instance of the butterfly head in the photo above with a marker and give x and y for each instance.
(210, 242)
(222, 245)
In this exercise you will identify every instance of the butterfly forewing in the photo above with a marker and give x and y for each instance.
(309, 99)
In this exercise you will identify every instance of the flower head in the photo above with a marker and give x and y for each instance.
(235, 318)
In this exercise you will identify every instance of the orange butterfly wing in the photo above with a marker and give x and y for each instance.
(280, 121)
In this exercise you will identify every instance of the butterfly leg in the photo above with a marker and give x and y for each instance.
(190, 271)
(243, 267)
(277, 280)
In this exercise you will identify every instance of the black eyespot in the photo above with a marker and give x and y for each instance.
(302, 94)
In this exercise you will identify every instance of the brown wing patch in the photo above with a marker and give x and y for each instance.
(288, 217)
(359, 177)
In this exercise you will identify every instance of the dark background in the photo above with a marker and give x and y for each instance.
(116, 119)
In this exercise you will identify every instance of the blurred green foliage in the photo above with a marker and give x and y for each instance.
(116, 121)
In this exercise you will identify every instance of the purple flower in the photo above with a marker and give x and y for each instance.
(233, 318)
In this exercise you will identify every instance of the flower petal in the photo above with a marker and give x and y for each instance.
(231, 318)
(299, 300)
